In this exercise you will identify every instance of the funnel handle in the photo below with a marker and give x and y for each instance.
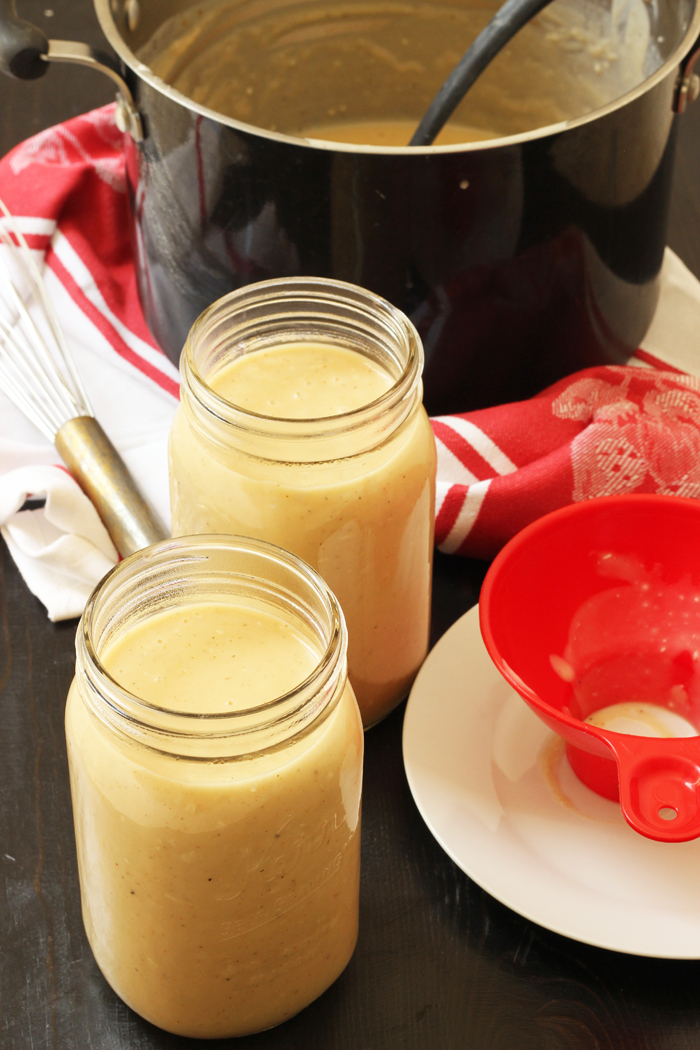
(660, 786)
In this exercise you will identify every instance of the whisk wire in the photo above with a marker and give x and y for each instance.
(16, 379)
(63, 385)
(32, 361)
(16, 394)
(25, 261)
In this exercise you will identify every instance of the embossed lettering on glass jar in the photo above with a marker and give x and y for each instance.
(352, 493)
(218, 830)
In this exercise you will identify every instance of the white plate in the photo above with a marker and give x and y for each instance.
(494, 787)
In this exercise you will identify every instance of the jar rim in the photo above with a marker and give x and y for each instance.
(315, 294)
(150, 566)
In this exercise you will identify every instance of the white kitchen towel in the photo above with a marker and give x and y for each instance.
(62, 549)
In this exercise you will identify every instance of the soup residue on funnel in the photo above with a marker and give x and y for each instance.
(633, 652)
(373, 67)
(642, 720)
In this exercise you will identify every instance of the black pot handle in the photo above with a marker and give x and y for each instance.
(25, 53)
(23, 46)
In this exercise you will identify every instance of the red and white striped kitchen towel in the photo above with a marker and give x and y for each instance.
(606, 430)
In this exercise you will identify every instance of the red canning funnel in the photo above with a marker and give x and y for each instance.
(598, 605)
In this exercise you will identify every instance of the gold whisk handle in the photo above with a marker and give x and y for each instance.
(100, 471)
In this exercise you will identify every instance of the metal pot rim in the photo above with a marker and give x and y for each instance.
(109, 28)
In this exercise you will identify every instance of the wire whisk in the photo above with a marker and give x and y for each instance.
(38, 373)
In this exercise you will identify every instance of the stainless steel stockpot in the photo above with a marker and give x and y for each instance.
(519, 259)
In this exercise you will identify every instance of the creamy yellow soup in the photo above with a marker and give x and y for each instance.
(219, 898)
(392, 133)
(292, 67)
(301, 381)
(365, 522)
(212, 658)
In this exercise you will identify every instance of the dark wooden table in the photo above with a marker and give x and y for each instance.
(440, 965)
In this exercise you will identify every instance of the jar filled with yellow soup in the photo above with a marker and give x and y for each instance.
(215, 751)
(301, 422)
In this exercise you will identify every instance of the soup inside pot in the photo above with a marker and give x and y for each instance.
(364, 72)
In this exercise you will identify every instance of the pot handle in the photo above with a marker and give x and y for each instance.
(688, 82)
(23, 46)
(660, 786)
(25, 53)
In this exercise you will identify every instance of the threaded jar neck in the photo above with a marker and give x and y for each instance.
(200, 569)
(301, 310)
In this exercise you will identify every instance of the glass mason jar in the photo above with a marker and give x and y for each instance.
(352, 494)
(218, 852)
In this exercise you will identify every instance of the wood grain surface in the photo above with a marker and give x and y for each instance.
(440, 965)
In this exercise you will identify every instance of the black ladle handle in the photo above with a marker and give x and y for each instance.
(22, 45)
(505, 24)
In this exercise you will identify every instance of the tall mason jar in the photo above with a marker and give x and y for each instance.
(218, 841)
(352, 492)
